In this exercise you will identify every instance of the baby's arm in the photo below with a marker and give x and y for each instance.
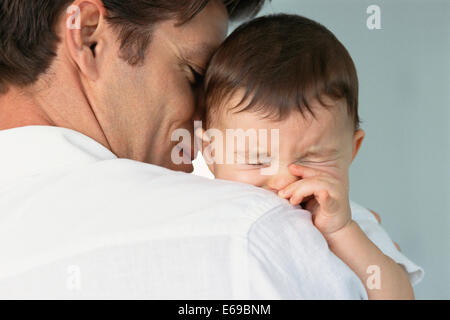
(353, 247)
(371, 226)
(330, 208)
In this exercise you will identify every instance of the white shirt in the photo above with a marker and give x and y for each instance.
(77, 222)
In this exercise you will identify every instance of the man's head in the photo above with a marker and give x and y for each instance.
(123, 72)
(286, 73)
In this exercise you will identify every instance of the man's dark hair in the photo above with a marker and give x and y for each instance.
(28, 40)
(282, 63)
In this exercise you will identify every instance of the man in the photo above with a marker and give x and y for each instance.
(91, 92)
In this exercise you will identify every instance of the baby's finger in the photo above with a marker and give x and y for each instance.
(287, 191)
(307, 187)
(290, 189)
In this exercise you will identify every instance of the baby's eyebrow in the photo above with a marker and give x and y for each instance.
(252, 152)
(321, 152)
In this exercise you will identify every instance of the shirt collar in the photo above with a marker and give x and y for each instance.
(32, 150)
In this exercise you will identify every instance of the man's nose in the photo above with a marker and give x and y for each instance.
(281, 180)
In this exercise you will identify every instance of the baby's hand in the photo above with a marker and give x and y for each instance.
(326, 197)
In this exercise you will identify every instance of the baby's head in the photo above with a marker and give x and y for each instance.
(286, 73)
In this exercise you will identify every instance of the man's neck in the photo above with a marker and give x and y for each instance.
(20, 107)
(17, 110)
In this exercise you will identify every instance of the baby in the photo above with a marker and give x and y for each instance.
(288, 81)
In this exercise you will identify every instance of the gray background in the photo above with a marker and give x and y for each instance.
(403, 169)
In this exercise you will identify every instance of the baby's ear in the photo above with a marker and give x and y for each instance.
(202, 137)
(204, 140)
(358, 138)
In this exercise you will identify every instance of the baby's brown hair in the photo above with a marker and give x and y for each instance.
(282, 63)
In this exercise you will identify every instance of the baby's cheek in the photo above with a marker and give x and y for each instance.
(231, 172)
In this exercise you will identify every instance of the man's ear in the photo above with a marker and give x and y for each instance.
(83, 35)
(358, 138)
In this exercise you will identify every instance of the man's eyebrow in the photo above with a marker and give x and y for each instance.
(203, 51)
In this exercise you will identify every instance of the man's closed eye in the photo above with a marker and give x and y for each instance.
(196, 77)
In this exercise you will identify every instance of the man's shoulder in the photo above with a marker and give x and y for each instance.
(151, 188)
(115, 207)
(121, 202)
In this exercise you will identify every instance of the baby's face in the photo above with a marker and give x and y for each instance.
(327, 142)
